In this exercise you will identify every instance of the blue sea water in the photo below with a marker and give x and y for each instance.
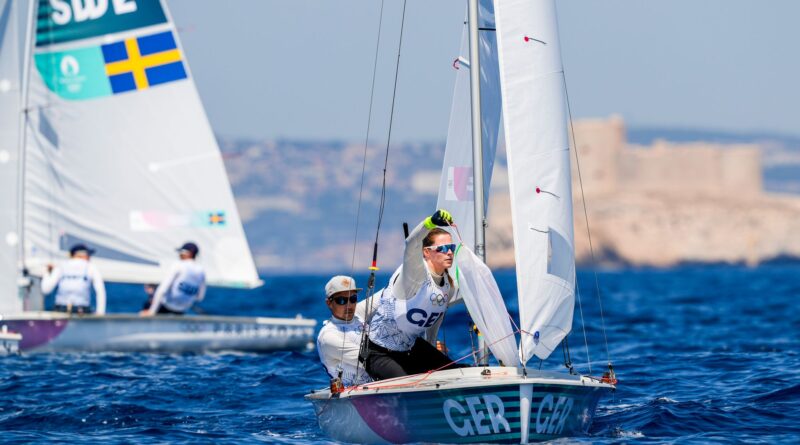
(703, 354)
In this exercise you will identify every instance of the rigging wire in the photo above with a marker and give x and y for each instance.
(391, 119)
(374, 267)
(588, 232)
(366, 138)
(361, 191)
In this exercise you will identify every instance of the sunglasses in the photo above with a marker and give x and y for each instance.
(341, 301)
(443, 248)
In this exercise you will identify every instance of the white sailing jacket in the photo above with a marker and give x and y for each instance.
(185, 284)
(74, 280)
(338, 344)
(412, 305)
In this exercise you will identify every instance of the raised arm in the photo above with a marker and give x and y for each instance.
(414, 273)
(161, 290)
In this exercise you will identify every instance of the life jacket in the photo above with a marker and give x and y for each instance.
(397, 323)
(75, 283)
(337, 353)
(185, 287)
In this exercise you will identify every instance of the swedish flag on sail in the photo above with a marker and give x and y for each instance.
(139, 63)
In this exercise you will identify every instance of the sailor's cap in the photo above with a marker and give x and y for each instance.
(80, 248)
(340, 283)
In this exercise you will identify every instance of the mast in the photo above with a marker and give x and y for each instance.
(30, 35)
(477, 146)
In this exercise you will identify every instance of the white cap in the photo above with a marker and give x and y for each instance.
(340, 283)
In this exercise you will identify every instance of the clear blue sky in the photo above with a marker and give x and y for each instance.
(302, 68)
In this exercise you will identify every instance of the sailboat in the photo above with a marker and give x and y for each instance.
(519, 69)
(114, 150)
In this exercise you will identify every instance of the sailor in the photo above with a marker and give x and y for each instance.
(184, 286)
(74, 281)
(412, 307)
(339, 340)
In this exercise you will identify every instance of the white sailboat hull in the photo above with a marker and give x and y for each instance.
(59, 332)
(464, 405)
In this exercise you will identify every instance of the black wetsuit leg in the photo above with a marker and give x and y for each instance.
(382, 363)
(425, 357)
(164, 310)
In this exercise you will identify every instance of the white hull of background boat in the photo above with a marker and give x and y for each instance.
(464, 405)
(59, 332)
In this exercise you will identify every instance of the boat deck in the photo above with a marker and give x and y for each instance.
(464, 378)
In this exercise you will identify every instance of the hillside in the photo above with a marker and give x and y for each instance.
(299, 199)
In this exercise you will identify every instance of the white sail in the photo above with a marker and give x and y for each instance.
(535, 121)
(120, 153)
(455, 186)
(9, 131)
(486, 306)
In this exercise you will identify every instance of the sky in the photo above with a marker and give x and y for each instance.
(302, 69)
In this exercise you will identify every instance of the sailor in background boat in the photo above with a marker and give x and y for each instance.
(73, 281)
(412, 306)
(339, 340)
(185, 285)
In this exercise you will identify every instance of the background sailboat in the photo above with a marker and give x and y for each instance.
(502, 403)
(117, 153)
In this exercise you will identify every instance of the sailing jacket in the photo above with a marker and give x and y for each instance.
(185, 285)
(75, 279)
(413, 304)
(338, 344)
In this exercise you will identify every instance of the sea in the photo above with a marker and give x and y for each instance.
(703, 355)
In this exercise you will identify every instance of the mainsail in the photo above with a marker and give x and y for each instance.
(120, 153)
(9, 126)
(535, 120)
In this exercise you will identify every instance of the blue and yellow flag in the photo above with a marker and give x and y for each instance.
(138, 63)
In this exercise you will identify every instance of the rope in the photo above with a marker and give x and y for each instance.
(391, 120)
(583, 323)
(361, 186)
(428, 373)
(366, 138)
(371, 284)
(589, 234)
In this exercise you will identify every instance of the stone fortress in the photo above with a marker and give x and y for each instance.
(663, 205)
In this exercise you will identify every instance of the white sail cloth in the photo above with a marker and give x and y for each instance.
(9, 131)
(535, 120)
(121, 155)
(455, 186)
(485, 304)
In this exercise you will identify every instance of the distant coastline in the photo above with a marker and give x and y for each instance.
(298, 199)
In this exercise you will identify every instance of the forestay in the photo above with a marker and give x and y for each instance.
(120, 152)
(9, 131)
(455, 186)
(534, 112)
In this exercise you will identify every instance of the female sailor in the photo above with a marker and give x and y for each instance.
(412, 306)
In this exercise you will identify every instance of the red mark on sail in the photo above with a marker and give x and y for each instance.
(531, 39)
(455, 63)
(538, 191)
